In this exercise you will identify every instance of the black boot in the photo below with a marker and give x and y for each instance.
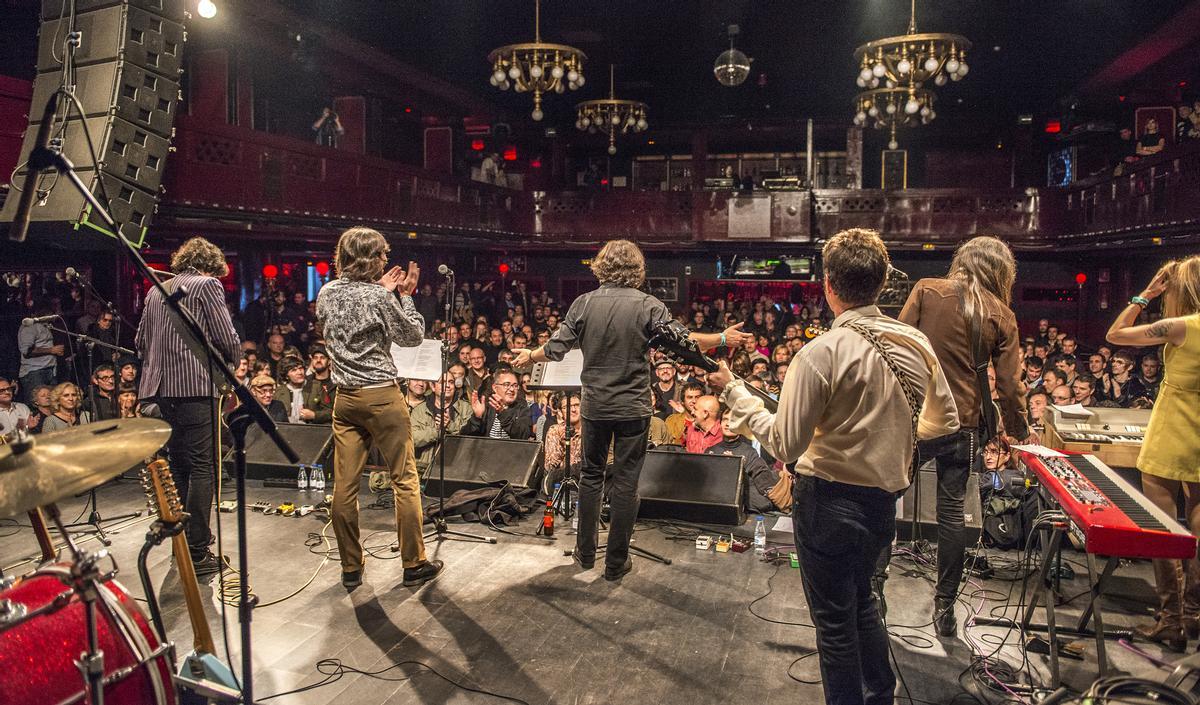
(943, 617)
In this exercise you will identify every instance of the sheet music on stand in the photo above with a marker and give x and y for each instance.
(560, 376)
(422, 362)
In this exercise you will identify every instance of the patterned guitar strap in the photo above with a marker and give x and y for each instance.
(910, 389)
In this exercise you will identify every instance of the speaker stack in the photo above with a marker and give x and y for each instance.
(476, 461)
(264, 461)
(126, 71)
(706, 489)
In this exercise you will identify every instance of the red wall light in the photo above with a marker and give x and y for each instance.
(322, 268)
(1081, 279)
(477, 145)
(503, 269)
(1053, 127)
(510, 154)
(535, 164)
(270, 271)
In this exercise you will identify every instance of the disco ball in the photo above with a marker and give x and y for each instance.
(731, 68)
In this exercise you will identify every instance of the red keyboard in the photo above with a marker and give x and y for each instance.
(1109, 514)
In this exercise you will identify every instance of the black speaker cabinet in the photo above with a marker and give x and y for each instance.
(706, 489)
(927, 518)
(475, 461)
(312, 442)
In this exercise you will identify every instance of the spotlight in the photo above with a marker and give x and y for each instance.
(206, 9)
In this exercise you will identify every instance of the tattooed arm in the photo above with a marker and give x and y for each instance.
(1168, 330)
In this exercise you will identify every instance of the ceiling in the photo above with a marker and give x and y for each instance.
(1027, 54)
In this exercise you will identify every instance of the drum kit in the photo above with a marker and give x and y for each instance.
(69, 632)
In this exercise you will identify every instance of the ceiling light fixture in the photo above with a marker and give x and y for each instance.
(611, 115)
(536, 66)
(206, 9)
(732, 66)
(912, 59)
(892, 108)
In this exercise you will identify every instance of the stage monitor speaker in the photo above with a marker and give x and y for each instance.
(312, 442)
(476, 461)
(706, 489)
(927, 519)
(127, 71)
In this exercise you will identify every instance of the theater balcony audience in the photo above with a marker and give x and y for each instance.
(503, 413)
(444, 405)
(67, 402)
(704, 430)
(1152, 141)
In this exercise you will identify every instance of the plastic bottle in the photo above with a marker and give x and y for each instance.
(760, 535)
(316, 477)
(575, 516)
(555, 491)
(302, 478)
(548, 519)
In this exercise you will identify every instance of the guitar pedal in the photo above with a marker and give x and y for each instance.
(227, 506)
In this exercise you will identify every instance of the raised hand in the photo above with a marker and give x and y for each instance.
(1158, 284)
(497, 402)
(409, 279)
(522, 360)
(734, 337)
(392, 278)
(478, 405)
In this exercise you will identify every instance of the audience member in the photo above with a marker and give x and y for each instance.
(503, 413)
(684, 411)
(705, 429)
(761, 479)
(13, 414)
(290, 392)
(444, 405)
(263, 388)
(66, 401)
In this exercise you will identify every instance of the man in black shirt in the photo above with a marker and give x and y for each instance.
(612, 326)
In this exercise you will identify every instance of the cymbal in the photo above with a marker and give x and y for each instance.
(64, 463)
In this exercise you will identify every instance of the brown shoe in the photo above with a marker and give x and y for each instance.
(1169, 635)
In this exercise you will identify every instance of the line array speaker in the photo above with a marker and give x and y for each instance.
(707, 489)
(127, 70)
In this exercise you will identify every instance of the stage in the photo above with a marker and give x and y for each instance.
(519, 619)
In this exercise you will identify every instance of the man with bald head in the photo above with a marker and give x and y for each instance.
(704, 431)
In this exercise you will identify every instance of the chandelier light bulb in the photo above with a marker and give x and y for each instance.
(890, 83)
(514, 72)
(860, 82)
(932, 114)
(874, 82)
(558, 88)
(860, 116)
(931, 64)
(615, 119)
(537, 114)
(504, 85)
(912, 106)
(873, 112)
(878, 70)
(573, 76)
(492, 80)
(925, 111)
(535, 71)
(642, 124)
(962, 69)
(556, 71)
(499, 75)
(893, 144)
(952, 66)
(865, 74)
(904, 66)
(891, 108)
(580, 81)
(940, 80)
(587, 121)
(612, 149)
(206, 9)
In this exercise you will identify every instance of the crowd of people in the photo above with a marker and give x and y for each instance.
(288, 370)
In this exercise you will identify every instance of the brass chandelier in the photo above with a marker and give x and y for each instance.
(892, 108)
(912, 59)
(611, 115)
(537, 66)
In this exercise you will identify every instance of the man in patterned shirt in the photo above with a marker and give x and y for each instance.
(364, 311)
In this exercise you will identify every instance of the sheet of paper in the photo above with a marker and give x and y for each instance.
(1040, 451)
(421, 362)
(1072, 411)
(564, 373)
(783, 524)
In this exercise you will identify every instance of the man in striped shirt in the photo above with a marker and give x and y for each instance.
(182, 386)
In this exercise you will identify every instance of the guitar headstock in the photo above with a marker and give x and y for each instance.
(159, 486)
(674, 342)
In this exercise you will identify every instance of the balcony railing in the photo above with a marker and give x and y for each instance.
(234, 169)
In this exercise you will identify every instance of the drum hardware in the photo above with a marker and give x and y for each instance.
(10, 611)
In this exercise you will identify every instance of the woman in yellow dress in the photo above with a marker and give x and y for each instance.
(1170, 456)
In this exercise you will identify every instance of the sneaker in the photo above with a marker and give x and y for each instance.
(584, 563)
(207, 564)
(351, 578)
(943, 617)
(613, 574)
(414, 577)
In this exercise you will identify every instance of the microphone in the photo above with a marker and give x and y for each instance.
(20, 224)
(39, 319)
(445, 271)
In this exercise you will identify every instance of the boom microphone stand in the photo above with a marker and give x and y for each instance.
(41, 159)
(441, 532)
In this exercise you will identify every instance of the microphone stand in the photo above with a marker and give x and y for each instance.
(41, 159)
(441, 532)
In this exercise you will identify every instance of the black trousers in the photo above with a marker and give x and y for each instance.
(190, 451)
(841, 530)
(619, 481)
(954, 456)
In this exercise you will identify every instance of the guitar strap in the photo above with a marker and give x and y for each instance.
(910, 389)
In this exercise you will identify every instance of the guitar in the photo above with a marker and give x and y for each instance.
(202, 663)
(679, 347)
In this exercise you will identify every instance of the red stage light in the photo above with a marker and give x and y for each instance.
(322, 268)
(1080, 278)
(477, 145)
(1053, 127)
(510, 154)
(408, 110)
(503, 269)
(604, 182)
(536, 164)
(270, 271)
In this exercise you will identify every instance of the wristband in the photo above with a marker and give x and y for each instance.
(1140, 301)
(722, 339)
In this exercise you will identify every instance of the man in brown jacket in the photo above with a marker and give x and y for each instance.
(967, 318)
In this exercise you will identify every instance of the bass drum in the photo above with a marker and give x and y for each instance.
(38, 652)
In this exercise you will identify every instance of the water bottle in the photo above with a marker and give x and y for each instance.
(554, 496)
(316, 477)
(575, 516)
(302, 478)
(760, 535)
